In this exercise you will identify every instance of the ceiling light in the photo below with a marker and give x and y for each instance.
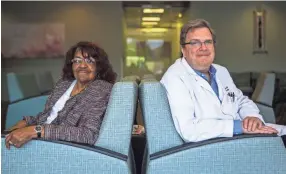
(259, 13)
(150, 19)
(180, 15)
(154, 30)
(153, 10)
(149, 23)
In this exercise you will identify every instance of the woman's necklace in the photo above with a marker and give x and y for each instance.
(76, 93)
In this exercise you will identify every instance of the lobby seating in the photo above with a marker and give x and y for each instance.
(112, 152)
(167, 153)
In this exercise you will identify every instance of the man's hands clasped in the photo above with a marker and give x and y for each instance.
(253, 125)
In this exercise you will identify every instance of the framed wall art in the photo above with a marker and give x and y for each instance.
(24, 40)
(259, 39)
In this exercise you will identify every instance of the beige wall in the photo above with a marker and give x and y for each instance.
(233, 23)
(100, 22)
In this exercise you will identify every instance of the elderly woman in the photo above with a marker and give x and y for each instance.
(76, 106)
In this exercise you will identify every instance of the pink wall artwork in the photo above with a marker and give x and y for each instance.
(33, 40)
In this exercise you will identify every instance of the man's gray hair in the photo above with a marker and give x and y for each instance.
(192, 24)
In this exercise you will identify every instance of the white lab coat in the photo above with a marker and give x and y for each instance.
(196, 111)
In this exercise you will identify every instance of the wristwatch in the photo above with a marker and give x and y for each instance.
(38, 130)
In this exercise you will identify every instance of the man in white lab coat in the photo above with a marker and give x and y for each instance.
(204, 101)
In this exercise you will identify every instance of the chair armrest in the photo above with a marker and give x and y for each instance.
(190, 145)
(29, 98)
(88, 147)
(240, 154)
(263, 104)
(60, 157)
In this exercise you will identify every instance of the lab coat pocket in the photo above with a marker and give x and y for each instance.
(229, 106)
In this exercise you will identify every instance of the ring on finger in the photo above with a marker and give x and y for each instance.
(10, 142)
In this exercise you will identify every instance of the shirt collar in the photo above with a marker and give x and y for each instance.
(212, 71)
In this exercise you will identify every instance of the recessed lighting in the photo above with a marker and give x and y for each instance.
(151, 19)
(149, 23)
(153, 10)
(259, 14)
(154, 30)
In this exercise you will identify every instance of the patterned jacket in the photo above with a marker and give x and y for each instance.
(80, 119)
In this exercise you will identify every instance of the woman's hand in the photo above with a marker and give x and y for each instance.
(20, 136)
(20, 124)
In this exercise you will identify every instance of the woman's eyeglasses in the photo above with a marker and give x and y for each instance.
(79, 61)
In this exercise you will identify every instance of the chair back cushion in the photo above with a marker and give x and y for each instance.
(160, 129)
(116, 129)
(264, 90)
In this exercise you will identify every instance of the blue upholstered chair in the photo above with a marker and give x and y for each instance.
(22, 93)
(263, 96)
(13, 87)
(111, 153)
(243, 81)
(21, 86)
(27, 107)
(167, 153)
(45, 81)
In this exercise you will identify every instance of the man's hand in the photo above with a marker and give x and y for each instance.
(252, 123)
(261, 130)
(20, 136)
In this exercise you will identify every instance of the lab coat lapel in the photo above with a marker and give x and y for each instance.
(222, 89)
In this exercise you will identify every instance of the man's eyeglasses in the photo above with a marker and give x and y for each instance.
(78, 61)
(198, 44)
